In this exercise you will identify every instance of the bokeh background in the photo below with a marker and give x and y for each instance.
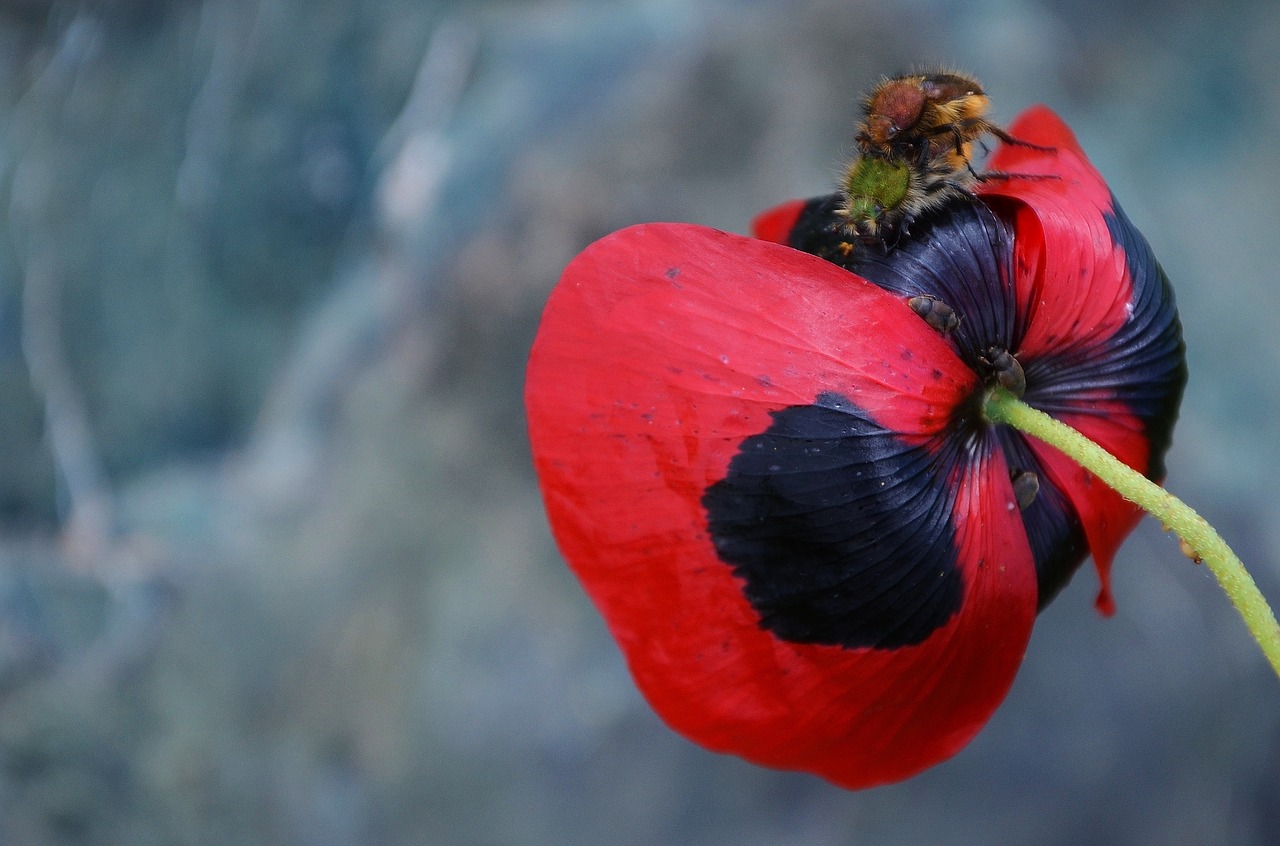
(273, 566)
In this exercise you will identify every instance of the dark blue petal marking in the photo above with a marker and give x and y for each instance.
(1151, 342)
(841, 533)
(963, 256)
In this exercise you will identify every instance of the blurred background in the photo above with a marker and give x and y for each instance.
(273, 565)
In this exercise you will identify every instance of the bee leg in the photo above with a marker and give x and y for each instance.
(903, 229)
(952, 129)
(992, 175)
(1017, 142)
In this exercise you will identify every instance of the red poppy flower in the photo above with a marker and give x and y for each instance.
(774, 479)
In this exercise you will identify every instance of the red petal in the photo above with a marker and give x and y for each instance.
(1073, 286)
(1107, 517)
(775, 224)
(665, 346)
(1076, 294)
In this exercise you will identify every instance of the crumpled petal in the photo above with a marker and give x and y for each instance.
(775, 224)
(1102, 347)
(1079, 299)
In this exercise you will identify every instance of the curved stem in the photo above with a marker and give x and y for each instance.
(1197, 535)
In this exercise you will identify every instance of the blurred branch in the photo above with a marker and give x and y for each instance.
(439, 83)
(415, 154)
(233, 37)
(370, 301)
(90, 510)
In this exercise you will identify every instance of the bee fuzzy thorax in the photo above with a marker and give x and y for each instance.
(955, 100)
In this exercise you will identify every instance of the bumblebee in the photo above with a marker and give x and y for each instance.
(926, 117)
(915, 148)
(915, 151)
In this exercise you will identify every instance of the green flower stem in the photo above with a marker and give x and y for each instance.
(1198, 536)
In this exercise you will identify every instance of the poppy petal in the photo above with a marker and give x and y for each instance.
(1103, 348)
(1054, 530)
(775, 224)
(701, 405)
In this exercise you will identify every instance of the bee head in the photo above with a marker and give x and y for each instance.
(896, 106)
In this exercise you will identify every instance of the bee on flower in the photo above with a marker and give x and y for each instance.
(772, 472)
(916, 150)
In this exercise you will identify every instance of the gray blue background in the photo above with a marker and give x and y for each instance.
(273, 567)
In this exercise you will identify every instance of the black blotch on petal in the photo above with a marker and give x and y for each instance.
(821, 231)
(841, 533)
